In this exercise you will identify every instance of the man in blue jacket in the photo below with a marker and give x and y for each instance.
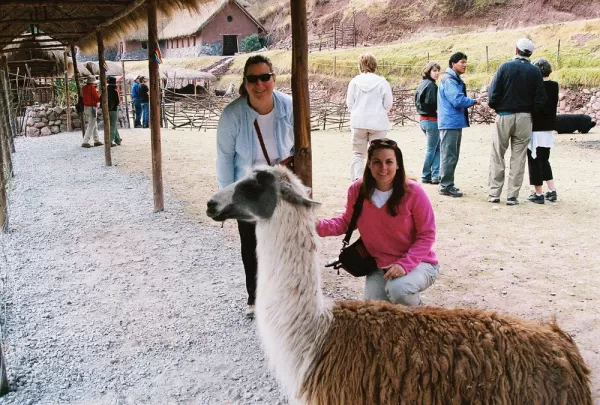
(452, 105)
(516, 90)
(137, 103)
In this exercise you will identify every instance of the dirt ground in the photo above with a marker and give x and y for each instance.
(533, 261)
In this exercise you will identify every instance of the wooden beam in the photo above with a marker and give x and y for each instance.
(155, 141)
(37, 48)
(63, 3)
(104, 99)
(35, 20)
(30, 41)
(78, 85)
(66, 59)
(302, 143)
(29, 36)
(8, 92)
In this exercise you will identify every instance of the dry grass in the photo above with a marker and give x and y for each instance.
(534, 261)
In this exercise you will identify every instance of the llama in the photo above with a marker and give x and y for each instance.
(227, 92)
(373, 352)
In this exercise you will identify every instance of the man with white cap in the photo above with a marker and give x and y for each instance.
(90, 102)
(516, 90)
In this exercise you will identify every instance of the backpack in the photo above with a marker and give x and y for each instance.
(79, 105)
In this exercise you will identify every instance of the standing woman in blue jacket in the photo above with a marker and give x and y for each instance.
(426, 103)
(256, 128)
(452, 118)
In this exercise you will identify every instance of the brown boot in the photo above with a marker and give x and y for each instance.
(98, 143)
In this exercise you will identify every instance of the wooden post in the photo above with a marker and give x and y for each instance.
(155, 142)
(320, 41)
(78, 85)
(558, 56)
(8, 92)
(354, 27)
(5, 131)
(104, 99)
(125, 92)
(427, 57)
(3, 206)
(334, 33)
(68, 96)
(4, 387)
(302, 144)
(334, 66)
(487, 60)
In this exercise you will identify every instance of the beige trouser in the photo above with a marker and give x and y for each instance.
(516, 129)
(92, 126)
(360, 143)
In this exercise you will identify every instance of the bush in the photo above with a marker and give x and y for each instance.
(250, 44)
(213, 49)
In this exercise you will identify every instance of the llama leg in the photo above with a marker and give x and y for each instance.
(405, 290)
(375, 287)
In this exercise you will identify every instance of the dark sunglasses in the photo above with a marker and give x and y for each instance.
(383, 142)
(263, 78)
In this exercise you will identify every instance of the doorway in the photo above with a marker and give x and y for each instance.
(229, 45)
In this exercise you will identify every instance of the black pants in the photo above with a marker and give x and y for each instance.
(248, 241)
(539, 168)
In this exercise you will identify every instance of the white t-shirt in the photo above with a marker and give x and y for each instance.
(379, 198)
(266, 123)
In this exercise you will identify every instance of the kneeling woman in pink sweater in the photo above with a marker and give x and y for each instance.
(397, 226)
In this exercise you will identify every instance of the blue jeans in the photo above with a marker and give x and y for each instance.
(137, 116)
(145, 115)
(449, 152)
(431, 167)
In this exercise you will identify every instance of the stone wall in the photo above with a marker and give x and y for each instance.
(45, 119)
(580, 101)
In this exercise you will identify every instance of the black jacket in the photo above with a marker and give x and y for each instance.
(113, 97)
(516, 87)
(143, 93)
(426, 98)
(545, 119)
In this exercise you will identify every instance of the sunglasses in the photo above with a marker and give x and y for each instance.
(384, 142)
(255, 78)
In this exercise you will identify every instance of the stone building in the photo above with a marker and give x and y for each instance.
(219, 26)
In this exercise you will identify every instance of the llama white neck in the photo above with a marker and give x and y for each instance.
(292, 314)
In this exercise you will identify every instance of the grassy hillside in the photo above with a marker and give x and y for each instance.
(401, 63)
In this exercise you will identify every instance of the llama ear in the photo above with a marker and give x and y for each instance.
(290, 195)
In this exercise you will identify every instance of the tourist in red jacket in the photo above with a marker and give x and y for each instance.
(90, 102)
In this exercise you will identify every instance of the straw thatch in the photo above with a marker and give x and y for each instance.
(175, 77)
(188, 22)
(114, 68)
(82, 18)
(42, 63)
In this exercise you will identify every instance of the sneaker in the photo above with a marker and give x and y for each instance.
(551, 196)
(534, 198)
(426, 181)
(98, 143)
(451, 191)
(112, 145)
(137, 126)
(250, 312)
(494, 200)
(512, 201)
(435, 181)
(86, 145)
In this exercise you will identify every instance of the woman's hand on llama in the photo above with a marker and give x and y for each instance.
(393, 271)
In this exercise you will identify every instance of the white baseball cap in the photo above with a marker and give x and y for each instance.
(525, 44)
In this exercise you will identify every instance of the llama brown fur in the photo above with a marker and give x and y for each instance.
(378, 353)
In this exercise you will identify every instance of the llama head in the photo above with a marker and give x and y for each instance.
(255, 197)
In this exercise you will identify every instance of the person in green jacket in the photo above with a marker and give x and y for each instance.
(113, 105)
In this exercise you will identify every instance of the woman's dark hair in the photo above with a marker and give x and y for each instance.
(399, 184)
(455, 58)
(544, 66)
(253, 60)
(426, 72)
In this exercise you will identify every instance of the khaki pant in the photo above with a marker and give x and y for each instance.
(516, 129)
(360, 143)
(91, 130)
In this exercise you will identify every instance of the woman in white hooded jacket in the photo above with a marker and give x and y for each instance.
(369, 99)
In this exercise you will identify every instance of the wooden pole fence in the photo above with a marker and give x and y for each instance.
(104, 99)
(67, 92)
(78, 86)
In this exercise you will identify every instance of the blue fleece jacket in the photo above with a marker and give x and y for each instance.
(236, 138)
(452, 102)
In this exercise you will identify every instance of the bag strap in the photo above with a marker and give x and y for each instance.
(355, 214)
(262, 143)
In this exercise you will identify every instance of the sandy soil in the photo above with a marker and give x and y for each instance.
(534, 261)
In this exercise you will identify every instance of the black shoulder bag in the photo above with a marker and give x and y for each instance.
(354, 258)
(287, 162)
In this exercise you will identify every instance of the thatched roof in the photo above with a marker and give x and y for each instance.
(114, 68)
(178, 77)
(188, 22)
(76, 21)
(41, 62)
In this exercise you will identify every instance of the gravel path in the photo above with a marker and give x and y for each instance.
(105, 302)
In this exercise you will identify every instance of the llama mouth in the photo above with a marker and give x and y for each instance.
(228, 212)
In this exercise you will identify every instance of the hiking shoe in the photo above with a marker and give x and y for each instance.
(494, 200)
(98, 143)
(512, 201)
(451, 191)
(250, 312)
(426, 181)
(86, 145)
(551, 196)
(435, 180)
(534, 198)
(112, 145)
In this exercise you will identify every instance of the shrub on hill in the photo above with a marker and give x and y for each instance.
(250, 44)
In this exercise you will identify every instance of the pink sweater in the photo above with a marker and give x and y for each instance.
(405, 239)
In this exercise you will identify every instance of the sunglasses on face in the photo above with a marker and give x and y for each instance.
(255, 78)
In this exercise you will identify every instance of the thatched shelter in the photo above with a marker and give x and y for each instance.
(114, 68)
(41, 55)
(174, 78)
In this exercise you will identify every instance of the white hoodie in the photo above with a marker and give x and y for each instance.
(369, 99)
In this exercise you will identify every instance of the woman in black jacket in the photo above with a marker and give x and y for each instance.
(113, 106)
(426, 103)
(542, 139)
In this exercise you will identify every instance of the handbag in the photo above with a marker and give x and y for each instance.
(287, 162)
(354, 258)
